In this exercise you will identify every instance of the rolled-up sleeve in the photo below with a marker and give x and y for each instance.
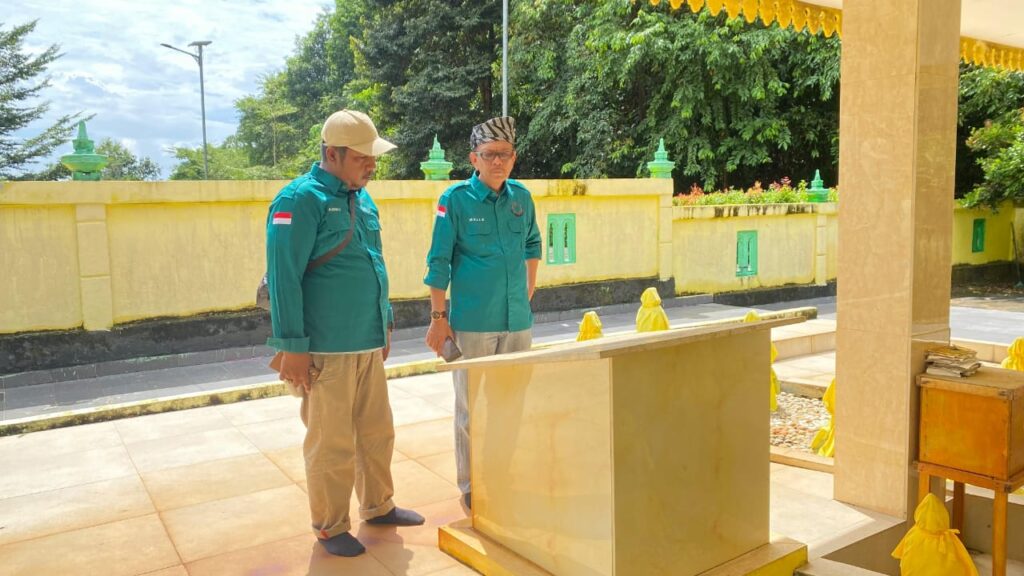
(442, 246)
(291, 234)
(533, 238)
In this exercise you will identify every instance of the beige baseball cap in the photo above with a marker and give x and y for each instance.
(355, 130)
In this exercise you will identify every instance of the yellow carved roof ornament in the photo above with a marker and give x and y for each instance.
(813, 18)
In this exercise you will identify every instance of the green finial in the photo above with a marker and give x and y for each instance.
(84, 164)
(817, 192)
(661, 166)
(436, 168)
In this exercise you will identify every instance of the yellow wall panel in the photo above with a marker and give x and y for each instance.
(997, 235)
(38, 269)
(179, 259)
(704, 249)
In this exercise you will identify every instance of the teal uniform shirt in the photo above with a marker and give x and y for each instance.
(480, 245)
(341, 306)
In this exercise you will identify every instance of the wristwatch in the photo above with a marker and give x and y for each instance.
(438, 314)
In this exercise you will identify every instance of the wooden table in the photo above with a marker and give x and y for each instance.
(972, 432)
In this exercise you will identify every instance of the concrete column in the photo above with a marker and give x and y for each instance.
(665, 262)
(94, 267)
(897, 151)
(821, 249)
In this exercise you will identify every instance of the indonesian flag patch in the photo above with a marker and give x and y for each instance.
(282, 218)
(441, 211)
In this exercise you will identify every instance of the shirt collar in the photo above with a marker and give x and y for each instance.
(481, 192)
(333, 184)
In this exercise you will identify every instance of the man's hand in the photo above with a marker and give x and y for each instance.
(295, 369)
(438, 332)
(387, 345)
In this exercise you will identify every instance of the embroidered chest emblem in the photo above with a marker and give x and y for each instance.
(517, 209)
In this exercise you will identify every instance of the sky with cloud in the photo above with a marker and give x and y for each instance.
(147, 96)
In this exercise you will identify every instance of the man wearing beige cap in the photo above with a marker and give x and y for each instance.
(486, 245)
(332, 321)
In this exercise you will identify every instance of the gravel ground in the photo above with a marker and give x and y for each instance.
(796, 421)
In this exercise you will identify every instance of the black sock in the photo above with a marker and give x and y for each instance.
(343, 544)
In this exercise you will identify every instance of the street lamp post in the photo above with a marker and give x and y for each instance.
(504, 58)
(198, 57)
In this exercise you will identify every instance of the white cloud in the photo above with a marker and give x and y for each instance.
(140, 92)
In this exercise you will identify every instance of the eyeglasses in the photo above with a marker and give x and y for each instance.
(488, 156)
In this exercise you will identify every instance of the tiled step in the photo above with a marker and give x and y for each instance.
(810, 337)
(823, 567)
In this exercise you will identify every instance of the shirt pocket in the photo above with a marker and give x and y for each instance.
(478, 227)
(336, 221)
(373, 233)
(516, 225)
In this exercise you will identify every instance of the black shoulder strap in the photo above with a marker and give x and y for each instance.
(348, 237)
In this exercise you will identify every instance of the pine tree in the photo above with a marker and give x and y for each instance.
(20, 83)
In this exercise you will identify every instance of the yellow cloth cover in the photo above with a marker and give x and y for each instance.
(590, 327)
(774, 387)
(1015, 360)
(651, 316)
(930, 548)
(824, 441)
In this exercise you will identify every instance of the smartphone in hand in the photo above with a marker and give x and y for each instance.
(450, 351)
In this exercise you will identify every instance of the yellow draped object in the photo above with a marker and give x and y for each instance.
(590, 327)
(774, 387)
(1015, 361)
(804, 15)
(1015, 358)
(824, 441)
(651, 316)
(931, 548)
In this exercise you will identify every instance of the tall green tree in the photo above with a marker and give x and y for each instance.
(123, 164)
(734, 102)
(228, 161)
(22, 80)
(431, 67)
(265, 126)
(986, 94)
(999, 147)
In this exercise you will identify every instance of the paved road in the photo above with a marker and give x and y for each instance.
(967, 320)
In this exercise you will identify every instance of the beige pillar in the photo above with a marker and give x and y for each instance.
(94, 267)
(665, 262)
(821, 246)
(896, 161)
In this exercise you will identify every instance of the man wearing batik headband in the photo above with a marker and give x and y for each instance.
(331, 320)
(486, 244)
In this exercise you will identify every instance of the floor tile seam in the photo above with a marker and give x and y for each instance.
(236, 551)
(152, 501)
(225, 551)
(280, 468)
(42, 492)
(81, 528)
(205, 462)
(118, 477)
(163, 523)
(442, 478)
(236, 425)
(172, 434)
(372, 552)
(424, 422)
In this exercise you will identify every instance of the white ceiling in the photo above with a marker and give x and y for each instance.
(1000, 21)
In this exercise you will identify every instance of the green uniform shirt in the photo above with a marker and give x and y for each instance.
(481, 243)
(341, 306)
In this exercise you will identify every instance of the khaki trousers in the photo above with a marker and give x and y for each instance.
(349, 440)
